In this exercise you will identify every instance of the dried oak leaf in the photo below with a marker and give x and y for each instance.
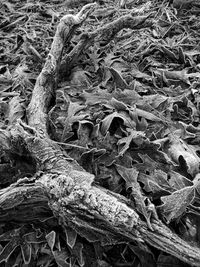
(178, 181)
(73, 115)
(100, 96)
(51, 238)
(133, 136)
(139, 116)
(176, 204)
(71, 236)
(16, 109)
(61, 257)
(156, 183)
(79, 77)
(77, 253)
(155, 101)
(107, 121)
(130, 176)
(180, 152)
(119, 80)
(136, 73)
(127, 96)
(137, 112)
(173, 75)
(116, 62)
(148, 165)
(24, 237)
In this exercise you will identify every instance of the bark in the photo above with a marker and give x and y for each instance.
(63, 188)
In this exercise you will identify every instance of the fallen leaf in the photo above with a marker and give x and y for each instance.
(130, 176)
(107, 121)
(176, 204)
(73, 115)
(118, 79)
(178, 181)
(179, 151)
(156, 183)
(133, 136)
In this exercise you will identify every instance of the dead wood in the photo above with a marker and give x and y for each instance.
(46, 81)
(104, 35)
(71, 197)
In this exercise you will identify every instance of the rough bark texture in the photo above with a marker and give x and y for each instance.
(60, 186)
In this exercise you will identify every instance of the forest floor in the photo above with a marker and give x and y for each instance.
(126, 109)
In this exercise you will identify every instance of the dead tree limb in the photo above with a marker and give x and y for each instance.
(84, 207)
(46, 81)
(104, 35)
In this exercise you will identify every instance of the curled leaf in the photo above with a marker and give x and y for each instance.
(107, 121)
(134, 136)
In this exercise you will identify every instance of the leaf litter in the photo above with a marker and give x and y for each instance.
(127, 111)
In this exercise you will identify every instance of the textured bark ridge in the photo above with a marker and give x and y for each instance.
(59, 184)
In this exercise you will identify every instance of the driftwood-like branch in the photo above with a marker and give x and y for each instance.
(104, 35)
(83, 206)
(64, 185)
(46, 81)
